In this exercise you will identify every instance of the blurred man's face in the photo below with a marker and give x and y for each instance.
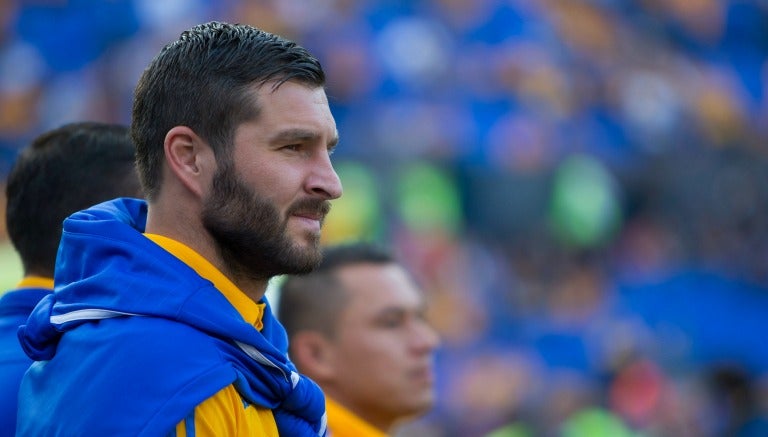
(383, 348)
(265, 207)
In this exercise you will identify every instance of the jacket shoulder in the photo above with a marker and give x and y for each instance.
(122, 376)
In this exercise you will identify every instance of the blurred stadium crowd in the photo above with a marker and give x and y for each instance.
(581, 186)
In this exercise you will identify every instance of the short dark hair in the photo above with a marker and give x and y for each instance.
(61, 172)
(312, 301)
(204, 81)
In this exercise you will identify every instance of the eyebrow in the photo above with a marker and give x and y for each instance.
(301, 135)
(419, 309)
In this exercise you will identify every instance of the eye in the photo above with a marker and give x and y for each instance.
(392, 320)
(292, 147)
(421, 314)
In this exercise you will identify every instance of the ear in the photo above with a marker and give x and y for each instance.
(189, 158)
(312, 353)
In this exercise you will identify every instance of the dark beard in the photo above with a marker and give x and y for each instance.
(250, 234)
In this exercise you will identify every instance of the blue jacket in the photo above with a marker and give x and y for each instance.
(133, 339)
(15, 306)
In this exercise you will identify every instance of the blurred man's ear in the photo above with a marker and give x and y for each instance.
(312, 353)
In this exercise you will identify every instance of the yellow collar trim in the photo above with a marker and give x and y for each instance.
(35, 282)
(344, 423)
(249, 310)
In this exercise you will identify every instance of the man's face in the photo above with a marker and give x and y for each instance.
(266, 206)
(383, 348)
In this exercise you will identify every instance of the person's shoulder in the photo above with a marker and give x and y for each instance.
(155, 369)
(152, 339)
(13, 363)
(124, 350)
(12, 356)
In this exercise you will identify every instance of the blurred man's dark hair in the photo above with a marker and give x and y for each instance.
(312, 301)
(63, 171)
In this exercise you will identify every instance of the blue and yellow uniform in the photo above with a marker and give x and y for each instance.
(144, 337)
(225, 413)
(15, 306)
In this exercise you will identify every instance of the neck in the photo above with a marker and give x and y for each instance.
(255, 288)
(383, 424)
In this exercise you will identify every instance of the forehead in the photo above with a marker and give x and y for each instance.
(291, 96)
(372, 287)
(291, 107)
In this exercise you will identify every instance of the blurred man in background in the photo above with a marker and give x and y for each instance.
(159, 324)
(356, 326)
(63, 171)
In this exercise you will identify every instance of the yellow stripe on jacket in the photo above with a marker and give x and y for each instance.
(35, 282)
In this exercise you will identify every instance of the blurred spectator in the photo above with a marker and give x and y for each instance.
(62, 171)
(356, 325)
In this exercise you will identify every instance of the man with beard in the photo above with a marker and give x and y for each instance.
(356, 325)
(159, 325)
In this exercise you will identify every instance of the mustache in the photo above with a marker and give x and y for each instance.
(310, 206)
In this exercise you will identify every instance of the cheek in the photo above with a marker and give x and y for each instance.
(361, 359)
(266, 182)
(287, 182)
(280, 190)
(378, 349)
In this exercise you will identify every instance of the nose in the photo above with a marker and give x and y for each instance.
(323, 180)
(426, 339)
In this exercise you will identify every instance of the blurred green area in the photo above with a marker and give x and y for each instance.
(10, 266)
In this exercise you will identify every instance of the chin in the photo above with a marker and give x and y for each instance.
(308, 248)
(306, 239)
(310, 256)
(419, 407)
